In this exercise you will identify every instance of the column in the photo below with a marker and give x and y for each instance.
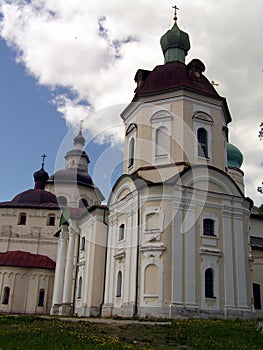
(60, 269)
(67, 291)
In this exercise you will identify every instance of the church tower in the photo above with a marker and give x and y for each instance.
(73, 185)
(176, 118)
(178, 219)
(77, 196)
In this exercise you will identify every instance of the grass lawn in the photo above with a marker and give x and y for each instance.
(30, 332)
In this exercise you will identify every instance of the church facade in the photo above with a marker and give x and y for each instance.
(178, 237)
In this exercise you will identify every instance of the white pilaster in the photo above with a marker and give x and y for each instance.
(240, 262)
(190, 257)
(107, 299)
(60, 267)
(127, 266)
(228, 261)
(69, 268)
(177, 265)
(86, 271)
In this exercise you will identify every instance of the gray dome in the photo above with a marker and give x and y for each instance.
(71, 176)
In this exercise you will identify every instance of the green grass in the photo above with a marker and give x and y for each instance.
(24, 333)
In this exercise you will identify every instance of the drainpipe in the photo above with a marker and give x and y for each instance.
(105, 262)
(137, 257)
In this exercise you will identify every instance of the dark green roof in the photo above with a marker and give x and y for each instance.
(234, 156)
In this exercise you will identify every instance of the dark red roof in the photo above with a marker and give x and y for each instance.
(34, 198)
(171, 76)
(24, 259)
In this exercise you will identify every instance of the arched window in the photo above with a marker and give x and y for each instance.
(161, 141)
(80, 287)
(62, 201)
(121, 232)
(131, 152)
(208, 227)
(119, 284)
(41, 297)
(51, 219)
(83, 241)
(83, 203)
(6, 296)
(209, 283)
(202, 143)
(22, 219)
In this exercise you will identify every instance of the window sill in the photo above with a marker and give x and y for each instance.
(207, 236)
(210, 298)
(161, 156)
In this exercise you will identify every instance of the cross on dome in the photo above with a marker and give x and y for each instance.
(43, 159)
(175, 11)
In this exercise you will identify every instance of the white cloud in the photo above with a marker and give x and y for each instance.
(59, 44)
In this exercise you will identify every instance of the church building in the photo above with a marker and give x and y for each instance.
(178, 237)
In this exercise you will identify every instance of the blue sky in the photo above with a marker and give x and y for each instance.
(62, 61)
(30, 126)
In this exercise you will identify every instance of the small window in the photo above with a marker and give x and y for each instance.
(209, 283)
(51, 220)
(22, 219)
(41, 297)
(121, 232)
(62, 201)
(80, 288)
(83, 241)
(119, 284)
(83, 203)
(202, 143)
(6, 296)
(208, 227)
(131, 152)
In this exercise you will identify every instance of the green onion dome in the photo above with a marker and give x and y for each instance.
(175, 44)
(234, 156)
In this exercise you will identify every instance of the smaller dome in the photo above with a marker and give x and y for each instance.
(234, 156)
(79, 139)
(40, 177)
(71, 176)
(175, 38)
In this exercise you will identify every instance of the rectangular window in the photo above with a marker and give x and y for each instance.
(208, 227)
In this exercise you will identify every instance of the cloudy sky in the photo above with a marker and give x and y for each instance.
(66, 60)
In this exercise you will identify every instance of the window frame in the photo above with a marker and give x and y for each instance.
(79, 295)
(131, 152)
(6, 295)
(209, 225)
(203, 149)
(121, 232)
(209, 283)
(203, 120)
(119, 285)
(41, 297)
(22, 219)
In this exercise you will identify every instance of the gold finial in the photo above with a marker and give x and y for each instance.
(175, 12)
(214, 83)
(81, 125)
